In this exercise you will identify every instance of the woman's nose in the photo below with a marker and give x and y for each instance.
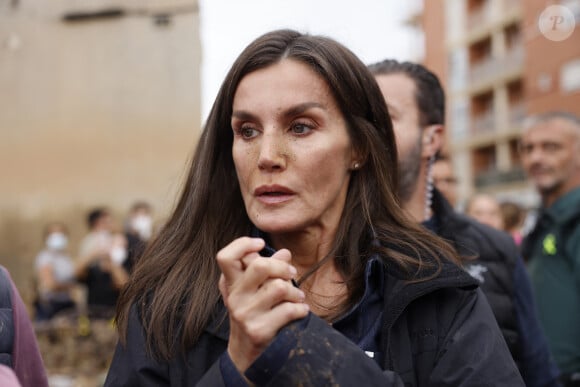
(272, 155)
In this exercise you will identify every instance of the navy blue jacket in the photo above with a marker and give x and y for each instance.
(437, 332)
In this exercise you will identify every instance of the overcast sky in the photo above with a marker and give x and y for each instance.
(372, 29)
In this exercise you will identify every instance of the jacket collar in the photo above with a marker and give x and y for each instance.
(565, 207)
(398, 294)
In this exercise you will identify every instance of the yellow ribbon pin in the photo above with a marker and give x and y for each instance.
(549, 244)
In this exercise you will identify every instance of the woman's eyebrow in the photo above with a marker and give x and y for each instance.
(243, 115)
(292, 111)
(301, 108)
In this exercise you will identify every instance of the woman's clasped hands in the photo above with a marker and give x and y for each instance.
(259, 296)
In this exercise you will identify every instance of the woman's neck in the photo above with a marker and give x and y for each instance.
(308, 248)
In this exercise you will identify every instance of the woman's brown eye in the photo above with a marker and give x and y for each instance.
(247, 132)
(300, 128)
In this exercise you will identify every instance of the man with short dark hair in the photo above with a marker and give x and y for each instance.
(550, 155)
(416, 102)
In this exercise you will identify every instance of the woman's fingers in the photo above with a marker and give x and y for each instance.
(266, 298)
(256, 322)
(259, 296)
(223, 288)
(231, 258)
(261, 330)
(262, 269)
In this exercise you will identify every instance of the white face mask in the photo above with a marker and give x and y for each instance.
(56, 241)
(118, 255)
(143, 225)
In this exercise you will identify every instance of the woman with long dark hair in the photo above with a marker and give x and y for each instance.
(288, 259)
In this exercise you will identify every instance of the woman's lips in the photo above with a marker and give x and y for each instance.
(273, 194)
(274, 198)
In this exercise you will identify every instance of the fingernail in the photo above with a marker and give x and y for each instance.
(302, 295)
(293, 270)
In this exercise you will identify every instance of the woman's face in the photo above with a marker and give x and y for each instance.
(291, 149)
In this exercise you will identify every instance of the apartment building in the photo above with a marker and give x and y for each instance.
(499, 67)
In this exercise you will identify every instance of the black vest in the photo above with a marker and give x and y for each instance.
(490, 257)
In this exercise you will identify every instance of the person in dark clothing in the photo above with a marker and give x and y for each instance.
(138, 231)
(550, 153)
(288, 260)
(416, 102)
(102, 264)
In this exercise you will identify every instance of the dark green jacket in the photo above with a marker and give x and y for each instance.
(552, 250)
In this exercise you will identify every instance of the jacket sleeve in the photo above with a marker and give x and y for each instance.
(309, 352)
(474, 352)
(27, 361)
(132, 365)
(536, 362)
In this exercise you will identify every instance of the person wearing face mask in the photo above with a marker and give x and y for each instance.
(102, 265)
(138, 230)
(54, 270)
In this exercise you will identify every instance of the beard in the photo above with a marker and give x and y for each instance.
(409, 170)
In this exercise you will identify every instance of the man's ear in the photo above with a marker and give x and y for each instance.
(433, 138)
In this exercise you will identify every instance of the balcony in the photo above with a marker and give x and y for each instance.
(490, 69)
(495, 177)
(517, 114)
(483, 123)
(484, 69)
(478, 17)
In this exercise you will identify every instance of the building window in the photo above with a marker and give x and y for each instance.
(570, 77)
(482, 113)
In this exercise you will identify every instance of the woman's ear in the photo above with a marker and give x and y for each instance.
(356, 160)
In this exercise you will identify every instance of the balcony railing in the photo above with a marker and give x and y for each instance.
(484, 69)
(491, 68)
(483, 123)
(495, 177)
(517, 114)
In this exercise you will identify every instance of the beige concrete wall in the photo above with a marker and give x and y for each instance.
(92, 113)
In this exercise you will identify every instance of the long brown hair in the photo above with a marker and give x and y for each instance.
(174, 285)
